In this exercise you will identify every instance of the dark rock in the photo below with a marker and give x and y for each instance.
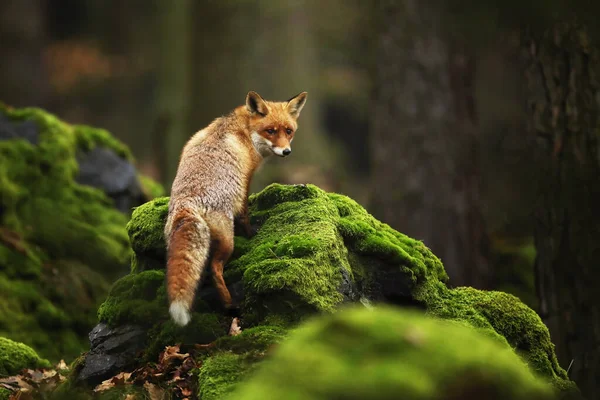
(347, 288)
(103, 169)
(386, 283)
(112, 349)
(27, 130)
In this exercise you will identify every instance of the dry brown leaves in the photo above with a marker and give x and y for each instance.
(174, 369)
(171, 375)
(31, 381)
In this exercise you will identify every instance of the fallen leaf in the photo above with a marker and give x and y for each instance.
(154, 391)
(118, 379)
(171, 353)
(235, 329)
(62, 365)
(204, 346)
(17, 383)
(188, 364)
(105, 385)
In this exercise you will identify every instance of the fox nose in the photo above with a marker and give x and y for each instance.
(287, 152)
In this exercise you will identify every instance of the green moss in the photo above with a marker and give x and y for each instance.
(60, 242)
(146, 235)
(16, 356)
(4, 394)
(141, 299)
(505, 315)
(232, 359)
(257, 339)
(25, 264)
(88, 138)
(38, 317)
(310, 248)
(366, 236)
(203, 328)
(292, 275)
(376, 354)
(136, 298)
(221, 374)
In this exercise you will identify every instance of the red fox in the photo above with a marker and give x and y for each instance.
(211, 189)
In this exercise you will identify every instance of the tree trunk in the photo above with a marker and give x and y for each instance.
(24, 77)
(424, 139)
(564, 115)
(285, 32)
(174, 79)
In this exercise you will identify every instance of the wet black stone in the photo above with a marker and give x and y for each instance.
(103, 169)
(112, 350)
(10, 129)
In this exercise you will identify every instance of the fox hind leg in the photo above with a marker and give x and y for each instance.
(221, 229)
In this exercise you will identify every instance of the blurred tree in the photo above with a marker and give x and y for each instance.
(424, 138)
(563, 67)
(280, 62)
(174, 79)
(23, 76)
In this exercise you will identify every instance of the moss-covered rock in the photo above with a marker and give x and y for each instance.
(386, 353)
(314, 251)
(15, 357)
(61, 241)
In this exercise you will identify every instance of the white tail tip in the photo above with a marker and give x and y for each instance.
(179, 313)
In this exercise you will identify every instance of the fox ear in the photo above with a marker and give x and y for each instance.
(255, 104)
(296, 103)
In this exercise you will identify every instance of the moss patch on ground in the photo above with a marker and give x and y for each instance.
(234, 358)
(315, 251)
(382, 353)
(61, 243)
(15, 357)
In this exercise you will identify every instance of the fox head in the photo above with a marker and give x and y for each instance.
(272, 124)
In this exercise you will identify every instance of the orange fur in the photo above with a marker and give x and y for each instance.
(211, 189)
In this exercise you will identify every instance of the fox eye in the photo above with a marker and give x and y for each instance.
(288, 131)
(270, 131)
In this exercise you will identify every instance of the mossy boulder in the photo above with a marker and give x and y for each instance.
(62, 237)
(15, 357)
(386, 353)
(313, 253)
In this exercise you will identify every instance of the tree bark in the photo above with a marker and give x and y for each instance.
(564, 115)
(424, 139)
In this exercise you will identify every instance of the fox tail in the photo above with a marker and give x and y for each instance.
(188, 245)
